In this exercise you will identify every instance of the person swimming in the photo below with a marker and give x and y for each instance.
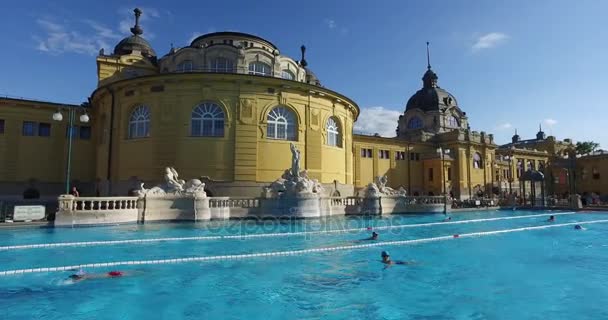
(447, 219)
(82, 275)
(386, 259)
(551, 219)
(578, 227)
(373, 237)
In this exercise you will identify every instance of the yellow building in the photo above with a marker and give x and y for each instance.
(226, 108)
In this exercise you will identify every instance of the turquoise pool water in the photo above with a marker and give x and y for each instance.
(550, 273)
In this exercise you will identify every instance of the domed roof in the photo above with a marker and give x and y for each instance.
(136, 41)
(431, 97)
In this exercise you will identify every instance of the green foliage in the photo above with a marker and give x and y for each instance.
(586, 147)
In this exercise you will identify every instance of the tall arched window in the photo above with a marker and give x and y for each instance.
(222, 65)
(139, 122)
(185, 66)
(477, 163)
(208, 120)
(453, 122)
(281, 124)
(259, 69)
(286, 74)
(414, 123)
(334, 138)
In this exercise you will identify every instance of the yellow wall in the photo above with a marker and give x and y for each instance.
(244, 153)
(42, 158)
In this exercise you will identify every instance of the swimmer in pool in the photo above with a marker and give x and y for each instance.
(551, 219)
(373, 237)
(386, 259)
(82, 275)
(447, 219)
(578, 227)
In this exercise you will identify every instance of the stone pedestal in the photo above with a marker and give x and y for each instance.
(371, 206)
(292, 206)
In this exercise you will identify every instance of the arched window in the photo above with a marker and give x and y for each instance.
(139, 122)
(414, 123)
(259, 69)
(334, 138)
(453, 122)
(222, 65)
(185, 66)
(286, 74)
(207, 120)
(281, 124)
(477, 163)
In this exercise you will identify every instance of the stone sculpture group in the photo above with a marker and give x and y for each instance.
(294, 181)
(174, 186)
(378, 188)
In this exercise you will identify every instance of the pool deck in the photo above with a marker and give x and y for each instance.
(32, 224)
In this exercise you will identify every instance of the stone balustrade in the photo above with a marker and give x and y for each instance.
(227, 202)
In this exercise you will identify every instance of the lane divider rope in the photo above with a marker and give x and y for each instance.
(264, 235)
(289, 253)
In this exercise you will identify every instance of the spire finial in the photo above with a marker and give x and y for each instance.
(303, 62)
(428, 56)
(515, 131)
(137, 30)
(540, 127)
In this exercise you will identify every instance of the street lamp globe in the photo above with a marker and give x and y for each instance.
(84, 118)
(57, 116)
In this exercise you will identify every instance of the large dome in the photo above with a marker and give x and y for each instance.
(431, 97)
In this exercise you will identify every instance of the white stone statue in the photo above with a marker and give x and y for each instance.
(174, 186)
(372, 191)
(295, 160)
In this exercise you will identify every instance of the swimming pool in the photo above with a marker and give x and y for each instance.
(292, 269)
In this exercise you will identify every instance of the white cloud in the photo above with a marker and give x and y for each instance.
(504, 126)
(59, 39)
(550, 122)
(377, 120)
(489, 40)
(330, 23)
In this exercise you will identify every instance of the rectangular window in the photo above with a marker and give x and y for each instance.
(1, 126)
(430, 174)
(366, 153)
(369, 153)
(449, 178)
(400, 155)
(417, 156)
(85, 133)
(44, 129)
(412, 156)
(29, 128)
(362, 153)
(383, 154)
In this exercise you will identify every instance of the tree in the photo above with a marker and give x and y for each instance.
(586, 147)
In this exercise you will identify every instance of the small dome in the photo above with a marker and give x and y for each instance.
(134, 42)
(431, 97)
(311, 78)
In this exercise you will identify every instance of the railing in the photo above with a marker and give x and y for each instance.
(234, 203)
(348, 201)
(82, 204)
(421, 199)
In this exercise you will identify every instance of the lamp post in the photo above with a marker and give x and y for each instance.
(84, 118)
(442, 152)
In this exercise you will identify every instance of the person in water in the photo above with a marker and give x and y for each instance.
(373, 237)
(551, 219)
(82, 275)
(578, 227)
(386, 259)
(447, 219)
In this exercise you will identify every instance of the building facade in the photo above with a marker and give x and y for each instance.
(226, 109)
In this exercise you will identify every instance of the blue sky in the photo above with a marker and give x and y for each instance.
(511, 64)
